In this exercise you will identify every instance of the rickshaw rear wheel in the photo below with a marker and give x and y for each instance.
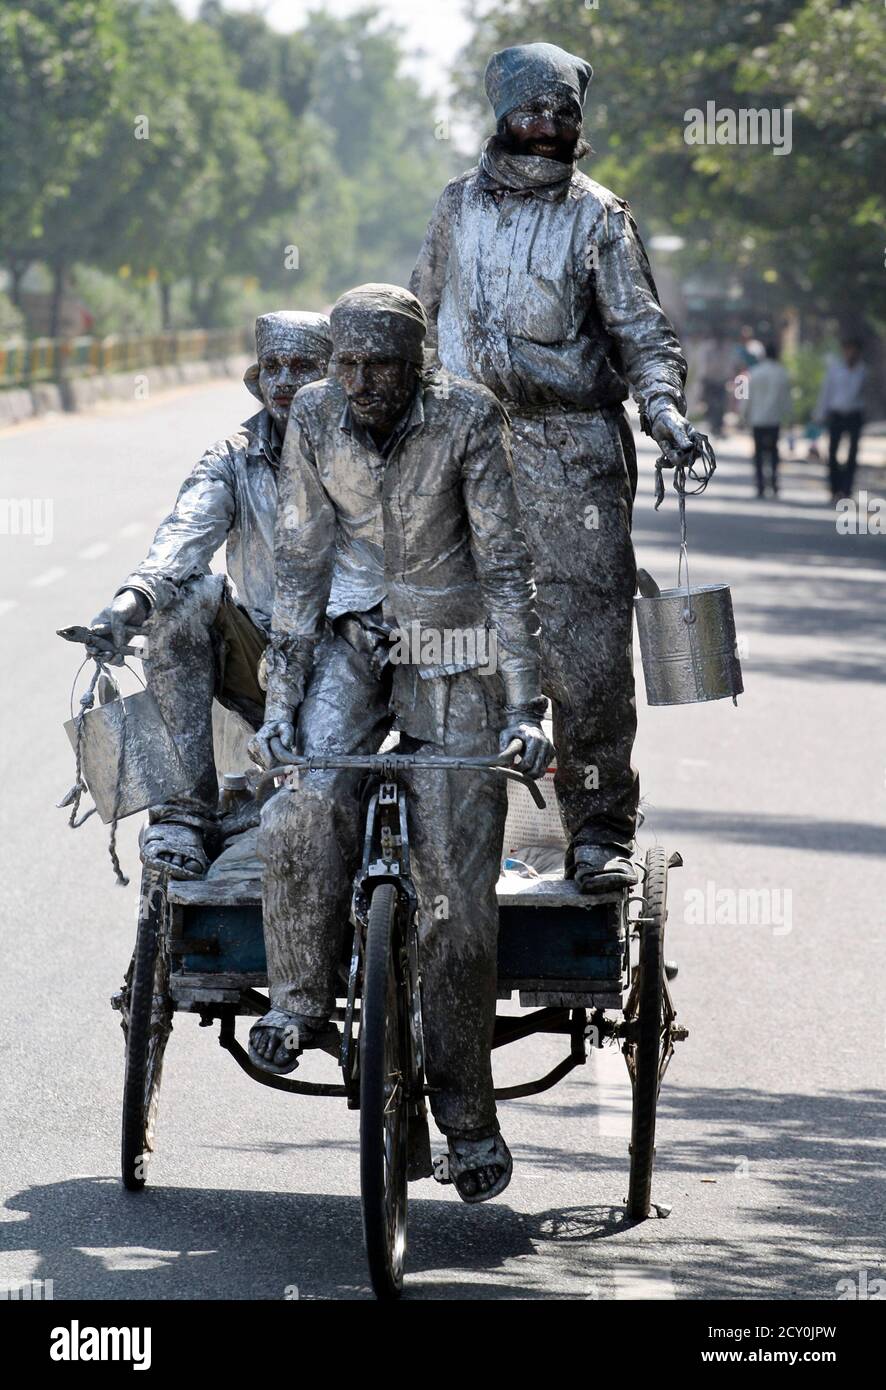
(147, 1025)
(645, 1015)
(384, 1098)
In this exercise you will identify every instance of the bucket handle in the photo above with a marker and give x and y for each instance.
(687, 615)
(685, 467)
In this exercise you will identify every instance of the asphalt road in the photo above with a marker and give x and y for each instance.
(770, 1145)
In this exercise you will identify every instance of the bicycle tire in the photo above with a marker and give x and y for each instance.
(647, 1045)
(383, 1101)
(146, 1038)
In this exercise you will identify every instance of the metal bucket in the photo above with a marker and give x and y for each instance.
(128, 739)
(687, 642)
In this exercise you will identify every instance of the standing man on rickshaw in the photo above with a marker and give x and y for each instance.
(397, 513)
(536, 284)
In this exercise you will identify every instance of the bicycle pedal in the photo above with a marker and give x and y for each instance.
(419, 1161)
(329, 1041)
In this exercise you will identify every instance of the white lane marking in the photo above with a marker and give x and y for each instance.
(643, 1281)
(7, 604)
(613, 1094)
(133, 528)
(48, 577)
(92, 552)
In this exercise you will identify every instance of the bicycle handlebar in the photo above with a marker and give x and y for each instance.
(379, 762)
(389, 764)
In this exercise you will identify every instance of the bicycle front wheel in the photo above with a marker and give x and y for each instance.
(384, 1081)
(147, 1019)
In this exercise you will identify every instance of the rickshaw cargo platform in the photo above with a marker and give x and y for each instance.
(555, 945)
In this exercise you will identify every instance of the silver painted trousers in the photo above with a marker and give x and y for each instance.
(310, 844)
(203, 646)
(576, 474)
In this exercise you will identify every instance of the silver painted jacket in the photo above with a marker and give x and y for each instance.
(431, 532)
(231, 496)
(546, 297)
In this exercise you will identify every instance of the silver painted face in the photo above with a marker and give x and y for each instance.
(378, 388)
(281, 374)
(547, 127)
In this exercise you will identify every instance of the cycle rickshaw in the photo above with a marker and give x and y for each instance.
(588, 968)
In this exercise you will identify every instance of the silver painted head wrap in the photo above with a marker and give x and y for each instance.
(385, 319)
(518, 75)
(294, 331)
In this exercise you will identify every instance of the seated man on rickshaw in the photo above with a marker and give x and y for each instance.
(397, 515)
(207, 632)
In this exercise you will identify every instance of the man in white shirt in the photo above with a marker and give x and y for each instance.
(769, 407)
(841, 408)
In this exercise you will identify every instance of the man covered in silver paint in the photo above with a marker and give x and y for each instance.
(207, 632)
(536, 284)
(397, 512)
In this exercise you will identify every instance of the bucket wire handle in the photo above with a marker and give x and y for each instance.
(688, 615)
(685, 468)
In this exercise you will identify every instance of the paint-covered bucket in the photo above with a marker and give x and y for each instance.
(687, 642)
(687, 635)
(129, 760)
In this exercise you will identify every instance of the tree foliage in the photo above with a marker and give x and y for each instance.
(213, 153)
(290, 166)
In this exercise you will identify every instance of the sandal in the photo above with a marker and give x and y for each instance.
(296, 1033)
(169, 838)
(602, 868)
(474, 1164)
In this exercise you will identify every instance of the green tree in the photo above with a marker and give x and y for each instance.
(189, 165)
(386, 164)
(58, 61)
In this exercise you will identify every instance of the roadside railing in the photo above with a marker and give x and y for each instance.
(49, 359)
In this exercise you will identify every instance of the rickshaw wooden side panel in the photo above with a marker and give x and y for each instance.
(552, 940)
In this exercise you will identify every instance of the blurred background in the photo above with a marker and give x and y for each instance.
(181, 167)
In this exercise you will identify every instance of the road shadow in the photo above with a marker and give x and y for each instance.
(794, 1183)
(98, 1242)
(759, 828)
(791, 1182)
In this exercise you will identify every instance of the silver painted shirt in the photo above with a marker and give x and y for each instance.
(431, 532)
(546, 296)
(229, 499)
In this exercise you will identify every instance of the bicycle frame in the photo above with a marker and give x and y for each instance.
(385, 860)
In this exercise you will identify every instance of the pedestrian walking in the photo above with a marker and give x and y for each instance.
(841, 409)
(769, 407)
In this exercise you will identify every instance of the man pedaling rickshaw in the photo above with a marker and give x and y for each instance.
(207, 632)
(397, 515)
